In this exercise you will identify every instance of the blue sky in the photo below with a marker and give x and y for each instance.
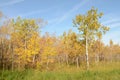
(59, 13)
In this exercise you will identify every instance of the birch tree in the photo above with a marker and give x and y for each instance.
(89, 26)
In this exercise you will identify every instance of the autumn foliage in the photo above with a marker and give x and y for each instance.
(22, 46)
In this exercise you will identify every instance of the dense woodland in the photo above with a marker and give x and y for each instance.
(23, 47)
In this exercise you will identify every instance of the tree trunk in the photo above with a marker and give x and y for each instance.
(87, 58)
(47, 63)
(97, 55)
(2, 52)
(12, 56)
(33, 61)
(34, 55)
(25, 48)
(97, 58)
(77, 62)
(66, 56)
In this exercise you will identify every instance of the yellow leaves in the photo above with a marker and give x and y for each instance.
(38, 65)
(33, 46)
(89, 25)
(49, 48)
(79, 19)
(106, 28)
(25, 37)
(70, 44)
(90, 21)
(19, 51)
(100, 15)
(99, 34)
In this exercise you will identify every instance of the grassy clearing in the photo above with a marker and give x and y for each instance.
(96, 72)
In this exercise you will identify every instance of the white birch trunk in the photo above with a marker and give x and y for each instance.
(87, 58)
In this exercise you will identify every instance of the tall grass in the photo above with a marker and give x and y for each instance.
(97, 72)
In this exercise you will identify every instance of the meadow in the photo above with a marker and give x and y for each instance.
(101, 71)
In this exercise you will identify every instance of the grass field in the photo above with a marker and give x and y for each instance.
(109, 71)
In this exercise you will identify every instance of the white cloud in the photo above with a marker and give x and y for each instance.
(114, 25)
(75, 8)
(68, 13)
(26, 14)
(52, 20)
(31, 13)
(111, 21)
(11, 2)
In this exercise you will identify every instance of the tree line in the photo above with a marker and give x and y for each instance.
(23, 47)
